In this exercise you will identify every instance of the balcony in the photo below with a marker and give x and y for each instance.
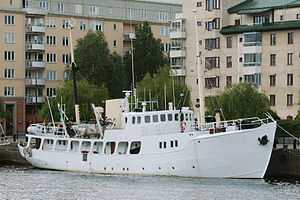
(35, 64)
(35, 82)
(33, 99)
(34, 11)
(129, 36)
(177, 52)
(177, 33)
(35, 28)
(34, 47)
(178, 72)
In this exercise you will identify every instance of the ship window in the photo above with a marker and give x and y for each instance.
(155, 118)
(176, 143)
(170, 117)
(160, 145)
(135, 147)
(147, 119)
(133, 120)
(64, 142)
(162, 117)
(59, 142)
(190, 117)
(172, 144)
(122, 148)
(176, 117)
(74, 146)
(46, 145)
(97, 147)
(139, 119)
(186, 117)
(86, 146)
(110, 148)
(165, 144)
(61, 146)
(125, 120)
(181, 117)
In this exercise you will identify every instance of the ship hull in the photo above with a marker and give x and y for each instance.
(235, 154)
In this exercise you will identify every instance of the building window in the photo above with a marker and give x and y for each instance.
(212, 4)
(78, 8)
(253, 39)
(115, 27)
(298, 16)
(228, 81)
(9, 19)
(272, 39)
(65, 41)
(199, 4)
(164, 31)
(65, 75)
(212, 43)
(272, 59)
(291, 38)
(96, 26)
(166, 47)
(115, 43)
(260, 20)
(229, 61)
(9, 91)
(229, 42)
(162, 16)
(272, 100)
(65, 24)
(10, 2)
(290, 79)
(144, 14)
(214, 24)
(44, 5)
(9, 55)
(9, 73)
(51, 58)
(212, 62)
(10, 38)
(290, 58)
(51, 92)
(272, 80)
(213, 82)
(66, 59)
(51, 40)
(253, 78)
(51, 23)
(252, 59)
(94, 10)
(61, 7)
(82, 25)
(110, 11)
(290, 100)
(281, 17)
(51, 75)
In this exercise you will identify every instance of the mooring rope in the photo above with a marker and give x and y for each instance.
(288, 133)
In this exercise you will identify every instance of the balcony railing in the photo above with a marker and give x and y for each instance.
(40, 28)
(34, 47)
(178, 72)
(35, 82)
(31, 99)
(251, 64)
(35, 64)
(129, 36)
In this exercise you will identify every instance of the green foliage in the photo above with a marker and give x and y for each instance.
(292, 126)
(148, 55)
(88, 94)
(239, 101)
(98, 66)
(156, 84)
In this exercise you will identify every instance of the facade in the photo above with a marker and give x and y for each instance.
(253, 41)
(35, 44)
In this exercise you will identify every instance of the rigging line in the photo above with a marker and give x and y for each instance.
(288, 133)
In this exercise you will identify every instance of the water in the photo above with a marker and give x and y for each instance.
(30, 183)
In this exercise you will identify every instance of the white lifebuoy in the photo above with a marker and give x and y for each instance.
(182, 126)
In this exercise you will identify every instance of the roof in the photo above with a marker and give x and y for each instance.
(262, 4)
(276, 26)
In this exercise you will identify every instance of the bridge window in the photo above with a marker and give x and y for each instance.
(110, 148)
(160, 145)
(133, 120)
(186, 117)
(170, 117)
(122, 148)
(147, 119)
(176, 143)
(162, 117)
(97, 147)
(165, 144)
(139, 119)
(135, 147)
(155, 118)
(172, 144)
(176, 117)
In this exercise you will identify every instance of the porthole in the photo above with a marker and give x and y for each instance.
(112, 169)
(159, 168)
(193, 167)
(123, 169)
(104, 168)
(173, 168)
(127, 169)
(143, 168)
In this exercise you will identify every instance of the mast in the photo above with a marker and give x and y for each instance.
(201, 115)
(132, 66)
(74, 69)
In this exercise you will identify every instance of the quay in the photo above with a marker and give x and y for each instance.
(284, 163)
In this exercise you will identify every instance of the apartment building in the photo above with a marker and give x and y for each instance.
(253, 41)
(35, 44)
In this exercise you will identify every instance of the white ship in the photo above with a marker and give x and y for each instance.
(164, 142)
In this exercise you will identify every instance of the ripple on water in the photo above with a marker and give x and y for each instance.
(30, 183)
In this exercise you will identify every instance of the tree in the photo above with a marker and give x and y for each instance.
(3, 113)
(97, 65)
(239, 101)
(88, 94)
(147, 53)
(155, 86)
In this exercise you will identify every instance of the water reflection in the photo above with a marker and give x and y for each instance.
(29, 183)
